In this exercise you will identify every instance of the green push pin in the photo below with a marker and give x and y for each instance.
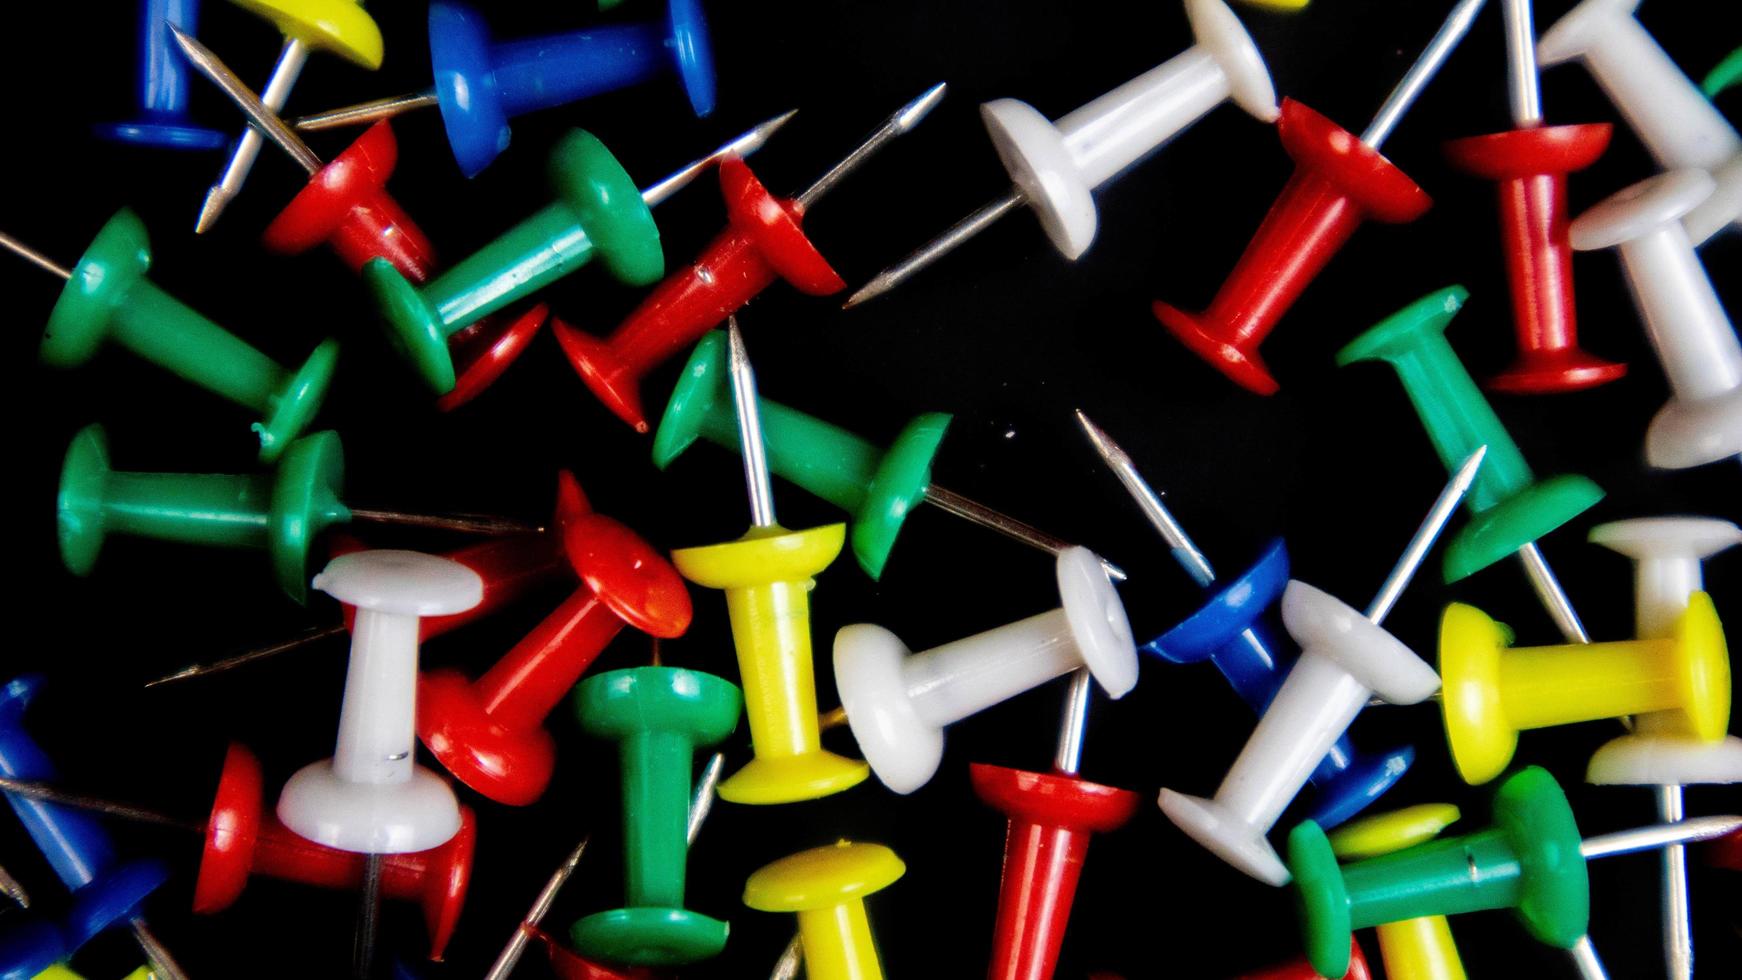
(1510, 508)
(1727, 73)
(879, 487)
(598, 211)
(108, 297)
(281, 512)
(659, 716)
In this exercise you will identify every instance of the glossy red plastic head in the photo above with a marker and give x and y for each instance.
(1338, 184)
(1530, 168)
(570, 965)
(484, 350)
(346, 206)
(1299, 969)
(764, 238)
(437, 880)
(490, 734)
(1052, 817)
(1726, 851)
(232, 830)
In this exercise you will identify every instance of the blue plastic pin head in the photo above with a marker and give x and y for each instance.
(162, 84)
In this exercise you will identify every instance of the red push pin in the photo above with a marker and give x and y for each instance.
(1052, 818)
(346, 207)
(490, 733)
(511, 568)
(1530, 164)
(764, 240)
(243, 839)
(1339, 183)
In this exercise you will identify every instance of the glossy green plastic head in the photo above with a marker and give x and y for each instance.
(1520, 519)
(296, 401)
(618, 703)
(1533, 812)
(608, 206)
(703, 385)
(305, 502)
(1727, 73)
(114, 262)
(899, 486)
(1320, 898)
(414, 328)
(1401, 332)
(650, 936)
(84, 478)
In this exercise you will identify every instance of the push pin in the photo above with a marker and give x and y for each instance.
(490, 733)
(658, 716)
(597, 211)
(1055, 167)
(1494, 691)
(1725, 74)
(347, 207)
(1509, 507)
(161, 85)
(1530, 163)
(106, 891)
(767, 578)
(1300, 969)
(1230, 631)
(880, 487)
(242, 840)
(827, 887)
(109, 298)
(1052, 818)
(1689, 329)
(1339, 182)
(1667, 552)
(281, 513)
(1345, 658)
(338, 27)
(371, 797)
(764, 240)
(898, 703)
(1531, 861)
(481, 83)
(1412, 949)
(1675, 120)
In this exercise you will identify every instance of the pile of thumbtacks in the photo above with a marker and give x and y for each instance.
(371, 818)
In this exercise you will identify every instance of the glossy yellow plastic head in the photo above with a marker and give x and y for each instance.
(1481, 738)
(1383, 833)
(341, 27)
(827, 886)
(766, 576)
(1414, 949)
(1702, 669)
(1278, 4)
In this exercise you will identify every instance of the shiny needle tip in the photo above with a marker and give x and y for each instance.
(742, 145)
(750, 428)
(902, 122)
(259, 116)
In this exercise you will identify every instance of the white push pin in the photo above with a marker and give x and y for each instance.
(371, 796)
(1345, 658)
(1688, 327)
(899, 704)
(1666, 553)
(1056, 165)
(1673, 118)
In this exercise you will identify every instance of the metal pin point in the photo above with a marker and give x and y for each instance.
(291, 59)
(937, 248)
(755, 454)
(791, 960)
(261, 117)
(36, 258)
(742, 145)
(1431, 526)
(10, 887)
(509, 958)
(902, 122)
(368, 112)
(49, 793)
(1427, 65)
(1010, 527)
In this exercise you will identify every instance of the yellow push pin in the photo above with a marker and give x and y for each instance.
(767, 578)
(827, 886)
(1413, 949)
(1492, 692)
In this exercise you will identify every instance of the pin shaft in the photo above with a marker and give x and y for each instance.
(742, 145)
(368, 919)
(1678, 937)
(312, 635)
(509, 958)
(1073, 726)
(791, 959)
(157, 955)
(480, 524)
(1586, 961)
(49, 793)
(259, 115)
(749, 413)
(1010, 527)
(1427, 65)
(36, 258)
(902, 122)
(1521, 72)
(702, 800)
(10, 887)
(944, 244)
(1185, 552)
(1553, 597)
(1658, 835)
(291, 59)
(367, 112)
(1425, 536)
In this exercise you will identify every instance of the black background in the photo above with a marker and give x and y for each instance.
(1004, 333)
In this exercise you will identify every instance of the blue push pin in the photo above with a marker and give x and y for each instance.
(30, 944)
(105, 890)
(1230, 631)
(480, 84)
(162, 84)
